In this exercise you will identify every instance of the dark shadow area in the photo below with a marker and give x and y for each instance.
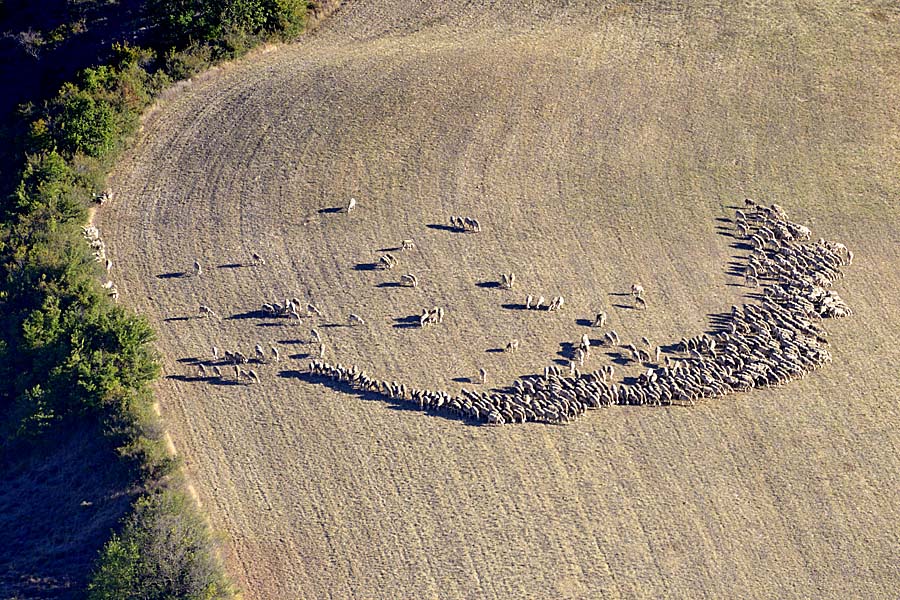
(566, 350)
(619, 294)
(394, 249)
(725, 231)
(271, 324)
(60, 496)
(441, 227)
(190, 360)
(250, 314)
(723, 220)
(299, 355)
(488, 285)
(393, 403)
(410, 322)
(494, 350)
(513, 306)
(330, 210)
(618, 358)
(231, 266)
(584, 322)
(365, 267)
(223, 381)
(561, 361)
(625, 306)
(170, 319)
(462, 379)
(389, 284)
(294, 342)
(172, 275)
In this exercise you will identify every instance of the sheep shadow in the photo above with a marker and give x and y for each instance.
(584, 322)
(488, 285)
(566, 350)
(250, 314)
(365, 267)
(299, 355)
(172, 275)
(270, 324)
(394, 249)
(624, 306)
(618, 358)
(410, 322)
(331, 210)
(442, 227)
(393, 403)
(389, 284)
(294, 341)
(514, 306)
(462, 380)
(170, 319)
(231, 266)
(619, 294)
(495, 350)
(191, 360)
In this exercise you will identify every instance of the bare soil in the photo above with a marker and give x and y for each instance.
(598, 145)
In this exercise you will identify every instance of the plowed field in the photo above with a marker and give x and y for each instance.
(598, 145)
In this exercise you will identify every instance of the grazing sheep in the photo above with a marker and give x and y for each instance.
(257, 259)
(600, 321)
(260, 354)
(311, 308)
(528, 300)
(640, 302)
(409, 280)
(207, 311)
(316, 336)
(215, 352)
(512, 346)
(539, 303)
(321, 350)
(201, 370)
(637, 290)
(351, 205)
(253, 375)
(483, 375)
(198, 270)
(108, 265)
(407, 245)
(355, 319)
(217, 371)
(275, 355)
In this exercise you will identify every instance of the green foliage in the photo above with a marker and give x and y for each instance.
(85, 123)
(164, 552)
(48, 182)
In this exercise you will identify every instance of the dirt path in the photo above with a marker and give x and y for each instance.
(597, 148)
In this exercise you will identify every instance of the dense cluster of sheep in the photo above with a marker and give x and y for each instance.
(539, 304)
(464, 224)
(767, 342)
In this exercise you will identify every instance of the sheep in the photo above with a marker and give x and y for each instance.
(646, 341)
(409, 280)
(260, 354)
(251, 374)
(440, 314)
(483, 376)
(351, 205)
(580, 354)
(198, 270)
(407, 245)
(585, 342)
(257, 259)
(275, 355)
(637, 290)
(355, 319)
(114, 294)
(311, 308)
(207, 311)
(316, 336)
(387, 261)
(528, 300)
(215, 353)
(640, 302)
(600, 320)
(201, 370)
(108, 265)
(539, 303)
(512, 346)
(321, 350)
(217, 371)
(108, 285)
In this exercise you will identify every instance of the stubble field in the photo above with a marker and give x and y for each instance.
(598, 146)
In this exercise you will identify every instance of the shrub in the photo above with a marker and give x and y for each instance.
(84, 123)
(164, 551)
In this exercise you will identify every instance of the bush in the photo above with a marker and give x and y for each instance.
(85, 124)
(163, 552)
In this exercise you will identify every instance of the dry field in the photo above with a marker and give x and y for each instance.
(598, 145)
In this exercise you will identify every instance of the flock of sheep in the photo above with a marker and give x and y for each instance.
(768, 342)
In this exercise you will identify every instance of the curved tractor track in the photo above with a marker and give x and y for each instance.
(598, 146)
